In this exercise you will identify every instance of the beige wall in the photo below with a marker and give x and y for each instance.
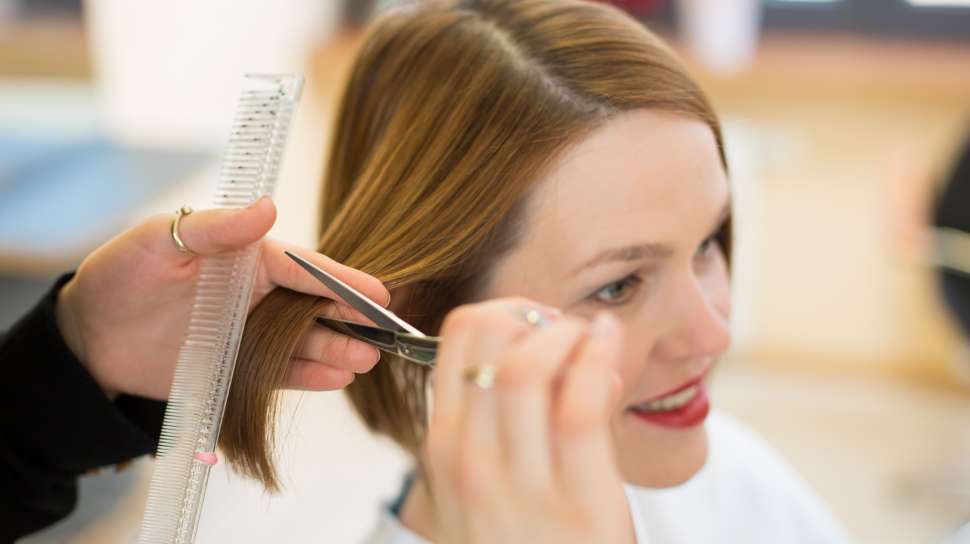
(835, 141)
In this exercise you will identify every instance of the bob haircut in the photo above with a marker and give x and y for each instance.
(452, 111)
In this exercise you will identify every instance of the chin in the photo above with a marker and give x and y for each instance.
(653, 456)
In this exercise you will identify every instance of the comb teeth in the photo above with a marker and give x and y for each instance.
(250, 167)
(255, 147)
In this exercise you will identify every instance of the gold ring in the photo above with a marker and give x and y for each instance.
(179, 214)
(481, 376)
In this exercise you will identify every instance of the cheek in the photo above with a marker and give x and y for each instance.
(716, 282)
(638, 343)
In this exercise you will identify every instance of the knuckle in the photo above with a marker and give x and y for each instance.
(458, 318)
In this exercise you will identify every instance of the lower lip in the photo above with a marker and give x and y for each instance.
(689, 415)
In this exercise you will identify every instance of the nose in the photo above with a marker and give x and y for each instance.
(697, 326)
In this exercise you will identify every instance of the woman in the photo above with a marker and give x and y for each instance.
(535, 154)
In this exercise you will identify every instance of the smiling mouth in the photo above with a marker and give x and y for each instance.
(669, 402)
(684, 407)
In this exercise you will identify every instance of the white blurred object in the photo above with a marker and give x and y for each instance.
(169, 72)
(723, 34)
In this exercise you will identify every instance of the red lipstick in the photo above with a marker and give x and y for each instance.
(690, 414)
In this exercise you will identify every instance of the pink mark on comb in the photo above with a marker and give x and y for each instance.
(206, 457)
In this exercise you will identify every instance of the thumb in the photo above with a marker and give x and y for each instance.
(207, 232)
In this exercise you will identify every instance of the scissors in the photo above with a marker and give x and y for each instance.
(392, 335)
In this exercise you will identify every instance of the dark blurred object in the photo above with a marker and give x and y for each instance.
(44, 8)
(640, 8)
(356, 13)
(927, 19)
(952, 218)
(953, 206)
(900, 18)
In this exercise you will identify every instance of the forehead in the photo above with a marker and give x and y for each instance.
(645, 176)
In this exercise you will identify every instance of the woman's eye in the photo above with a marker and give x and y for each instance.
(618, 292)
(706, 246)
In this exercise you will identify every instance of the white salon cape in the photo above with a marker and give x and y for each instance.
(744, 494)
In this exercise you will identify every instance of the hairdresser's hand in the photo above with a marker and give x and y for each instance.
(531, 459)
(124, 314)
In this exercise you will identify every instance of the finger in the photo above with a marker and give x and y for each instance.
(462, 441)
(322, 345)
(495, 323)
(325, 345)
(460, 327)
(341, 310)
(287, 273)
(441, 441)
(583, 447)
(208, 232)
(523, 393)
(309, 375)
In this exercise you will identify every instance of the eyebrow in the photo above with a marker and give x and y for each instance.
(638, 252)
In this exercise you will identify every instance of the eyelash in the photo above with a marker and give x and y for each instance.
(634, 280)
(704, 249)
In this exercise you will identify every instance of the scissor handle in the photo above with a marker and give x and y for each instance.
(417, 349)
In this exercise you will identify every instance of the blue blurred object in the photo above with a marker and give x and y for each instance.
(57, 196)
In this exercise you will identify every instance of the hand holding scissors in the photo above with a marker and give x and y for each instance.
(518, 446)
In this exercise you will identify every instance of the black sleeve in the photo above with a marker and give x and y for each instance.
(56, 423)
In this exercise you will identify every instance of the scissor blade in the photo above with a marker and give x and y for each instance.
(375, 336)
(375, 312)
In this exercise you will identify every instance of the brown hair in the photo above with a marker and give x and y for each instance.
(452, 111)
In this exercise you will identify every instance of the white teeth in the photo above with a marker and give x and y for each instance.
(670, 402)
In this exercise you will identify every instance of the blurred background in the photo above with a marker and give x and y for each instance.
(842, 119)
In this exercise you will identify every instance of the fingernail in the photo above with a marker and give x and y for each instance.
(603, 324)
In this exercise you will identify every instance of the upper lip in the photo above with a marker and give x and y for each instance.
(689, 383)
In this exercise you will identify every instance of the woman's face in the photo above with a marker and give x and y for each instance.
(624, 221)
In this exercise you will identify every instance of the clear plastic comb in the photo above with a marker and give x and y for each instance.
(190, 430)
